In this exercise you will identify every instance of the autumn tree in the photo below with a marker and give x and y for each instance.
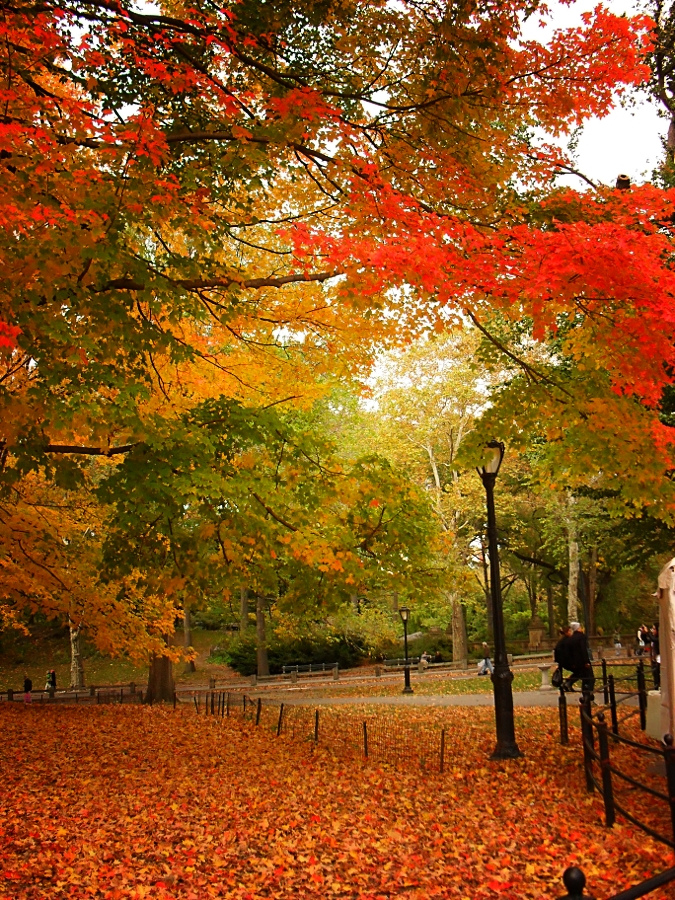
(228, 202)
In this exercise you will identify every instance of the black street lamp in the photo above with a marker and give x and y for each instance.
(506, 748)
(404, 613)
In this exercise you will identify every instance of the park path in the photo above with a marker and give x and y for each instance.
(523, 699)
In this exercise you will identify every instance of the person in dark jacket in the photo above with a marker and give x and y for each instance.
(27, 690)
(579, 662)
(561, 655)
(656, 656)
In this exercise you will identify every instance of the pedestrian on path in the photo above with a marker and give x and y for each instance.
(579, 661)
(485, 666)
(27, 690)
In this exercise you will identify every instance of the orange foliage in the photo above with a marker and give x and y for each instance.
(128, 803)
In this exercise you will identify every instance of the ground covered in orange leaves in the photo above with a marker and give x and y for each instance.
(132, 802)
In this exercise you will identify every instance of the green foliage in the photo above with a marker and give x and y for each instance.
(241, 653)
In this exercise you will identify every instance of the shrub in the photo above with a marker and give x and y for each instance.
(241, 653)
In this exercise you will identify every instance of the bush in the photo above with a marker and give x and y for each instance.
(241, 653)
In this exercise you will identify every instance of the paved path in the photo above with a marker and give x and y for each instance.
(520, 699)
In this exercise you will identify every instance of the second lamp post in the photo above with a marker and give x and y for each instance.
(506, 748)
(404, 613)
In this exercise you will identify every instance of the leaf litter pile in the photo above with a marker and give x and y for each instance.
(132, 802)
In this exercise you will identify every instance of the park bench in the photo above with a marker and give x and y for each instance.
(401, 661)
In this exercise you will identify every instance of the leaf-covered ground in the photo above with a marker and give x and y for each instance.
(132, 802)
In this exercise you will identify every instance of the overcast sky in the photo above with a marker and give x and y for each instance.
(627, 140)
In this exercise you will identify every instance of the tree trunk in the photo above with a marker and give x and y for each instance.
(573, 549)
(260, 637)
(394, 601)
(592, 590)
(161, 685)
(243, 610)
(551, 611)
(76, 667)
(459, 642)
(187, 637)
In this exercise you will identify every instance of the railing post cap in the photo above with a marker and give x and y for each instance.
(575, 882)
(668, 740)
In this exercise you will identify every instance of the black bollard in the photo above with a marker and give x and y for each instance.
(575, 882)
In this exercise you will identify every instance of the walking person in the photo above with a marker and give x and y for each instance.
(561, 655)
(485, 667)
(579, 661)
(656, 656)
(27, 690)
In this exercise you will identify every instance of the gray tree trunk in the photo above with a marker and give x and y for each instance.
(161, 685)
(459, 642)
(573, 548)
(76, 667)
(187, 637)
(243, 610)
(551, 611)
(592, 590)
(261, 636)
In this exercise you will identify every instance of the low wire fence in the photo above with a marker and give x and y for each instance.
(368, 736)
(111, 693)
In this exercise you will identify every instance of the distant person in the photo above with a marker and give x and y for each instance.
(617, 644)
(438, 658)
(53, 679)
(48, 680)
(579, 662)
(656, 656)
(27, 690)
(424, 659)
(561, 652)
(485, 667)
(640, 649)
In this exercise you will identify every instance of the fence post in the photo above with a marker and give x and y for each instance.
(122, 695)
(605, 768)
(365, 740)
(10, 694)
(605, 688)
(196, 703)
(587, 741)
(213, 702)
(336, 672)
(244, 714)
(642, 694)
(316, 726)
(227, 706)
(174, 699)
(612, 702)
(132, 687)
(257, 712)
(575, 882)
(442, 749)
(281, 719)
(562, 715)
(669, 756)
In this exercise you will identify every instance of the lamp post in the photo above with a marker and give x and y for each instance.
(404, 613)
(506, 748)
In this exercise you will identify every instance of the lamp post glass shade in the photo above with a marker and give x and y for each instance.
(494, 454)
(404, 613)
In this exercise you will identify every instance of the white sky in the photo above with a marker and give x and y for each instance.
(628, 140)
